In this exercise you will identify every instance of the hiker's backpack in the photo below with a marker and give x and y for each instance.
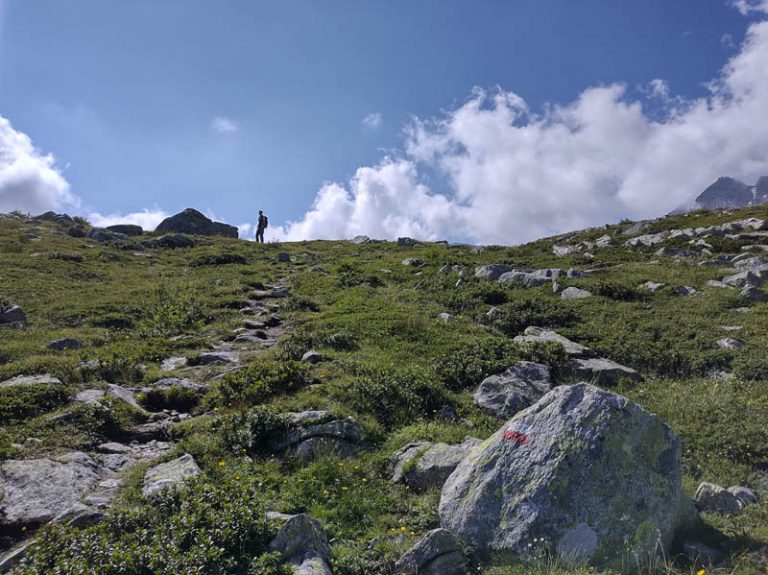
(266, 222)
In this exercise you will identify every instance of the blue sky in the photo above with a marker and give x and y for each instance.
(235, 106)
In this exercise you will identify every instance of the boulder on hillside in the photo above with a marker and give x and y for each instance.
(13, 316)
(534, 334)
(575, 293)
(171, 242)
(601, 371)
(491, 271)
(192, 222)
(716, 499)
(302, 543)
(37, 490)
(65, 343)
(126, 229)
(439, 553)
(517, 388)
(318, 433)
(169, 474)
(46, 379)
(103, 235)
(423, 465)
(587, 469)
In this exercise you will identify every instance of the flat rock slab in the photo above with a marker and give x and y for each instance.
(123, 394)
(515, 389)
(172, 363)
(31, 380)
(535, 334)
(185, 383)
(601, 371)
(218, 357)
(37, 490)
(575, 293)
(90, 395)
(586, 468)
(423, 465)
(66, 343)
(169, 474)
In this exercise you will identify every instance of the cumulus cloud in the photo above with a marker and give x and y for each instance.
(508, 174)
(224, 125)
(748, 6)
(29, 179)
(147, 219)
(373, 121)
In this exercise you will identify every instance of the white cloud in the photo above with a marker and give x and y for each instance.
(748, 6)
(224, 125)
(29, 180)
(373, 121)
(511, 174)
(147, 219)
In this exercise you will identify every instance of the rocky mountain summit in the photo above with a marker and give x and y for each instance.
(192, 222)
(175, 402)
(728, 193)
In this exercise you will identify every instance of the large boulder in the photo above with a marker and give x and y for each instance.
(192, 222)
(422, 465)
(491, 271)
(517, 388)
(37, 490)
(439, 553)
(169, 474)
(311, 437)
(126, 229)
(584, 468)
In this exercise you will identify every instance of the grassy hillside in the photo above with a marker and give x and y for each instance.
(389, 363)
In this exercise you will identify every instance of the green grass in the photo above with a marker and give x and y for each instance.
(389, 363)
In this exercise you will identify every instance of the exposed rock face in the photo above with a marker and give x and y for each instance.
(729, 193)
(37, 490)
(167, 474)
(302, 543)
(517, 388)
(192, 222)
(422, 465)
(46, 379)
(439, 553)
(126, 229)
(491, 271)
(13, 316)
(315, 435)
(583, 467)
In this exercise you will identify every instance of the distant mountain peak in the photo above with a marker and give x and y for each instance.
(728, 192)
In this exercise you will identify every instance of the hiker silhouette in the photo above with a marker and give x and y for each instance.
(261, 226)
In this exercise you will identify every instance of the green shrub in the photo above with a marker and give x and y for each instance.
(253, 431)
(620, 291)
(269, 564)
(220, 260)
(515, 316)
(205, 528)
(169, 309)
(113, 321)
(258, 382)
(25, 401)
(174, 397)
(396, 396)
(468, 365)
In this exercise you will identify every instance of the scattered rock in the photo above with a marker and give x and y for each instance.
(405, 242)
(438, 553)
(601, 371)
(90, 395)
(114, 447)
(123, 394)
(15, 556)
(586, 467)
(646, 241)
(192, 222)
(217, 358)
(718, 284)
(302, 543)
(445, 317)
(685, 291)
(172, 363)
(37, 490)
(283, 257)
(414, 262)
(360, 240)
(46, 379)
(676, 253)
(171, 242)
(730, 343)
(185, 383)
(575, 293)
(312, 357)
(702, 554)
(753, 294)
(539, 334)
(311, 440)
(530, 278)
(126, 229)
(66, 343)
(651, 286)
(79, 515)
(492, 271)
(423, 465)
(168, 474)
(716, 499)
(13, 317)
(517, 388)
(102, 235)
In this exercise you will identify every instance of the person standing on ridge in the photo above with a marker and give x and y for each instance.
(261, 226)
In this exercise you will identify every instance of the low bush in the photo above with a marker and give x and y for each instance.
(25, 401)
(175, 397)
(515, 316)
(258, 382)
(251, 432)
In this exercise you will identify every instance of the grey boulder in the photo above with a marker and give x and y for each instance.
(730, 343)
(311, 439)
(37, 490)
(302, 543)
(66, 343)
(716, 499)
(439, 553)
(601, 371)
(515, 389)
(586, 468)
(19, 380)
(190, 221)
(169, 474)
(13, 316)
(535, 334)
(575, 293)
(423, 465)
(491, 271)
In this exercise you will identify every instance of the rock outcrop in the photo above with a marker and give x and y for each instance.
(517, 388)
(728, 193)
(422, 465)
(439, 553)
(13, 316)
(303, 544)
(192, 222)
(585, 468)
(169, 474)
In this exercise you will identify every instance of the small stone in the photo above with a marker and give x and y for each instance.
(283, 257)
(730, 343)
(685, 291)
(575, 293)
(90, 395)
(652, 286)
(66, 343)
(414, 262)
(172, 363)
(13, 317)
(46, 379)
(713, 498)
(312, 357)
(445, 317)
(169, 474)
